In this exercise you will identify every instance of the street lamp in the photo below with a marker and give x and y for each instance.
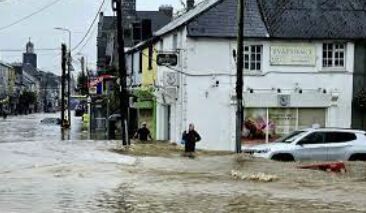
(68, 73)
(65, 30)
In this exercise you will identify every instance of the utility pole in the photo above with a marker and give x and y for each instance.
(239, 75)
(68, 73)
(69, 87)
(117, 7)
(63, 81)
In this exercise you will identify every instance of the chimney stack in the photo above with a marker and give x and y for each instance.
(190, 4)
(167, 10)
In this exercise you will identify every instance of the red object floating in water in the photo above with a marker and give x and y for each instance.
(333, 167)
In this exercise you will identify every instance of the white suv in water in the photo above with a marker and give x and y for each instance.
(326, 144)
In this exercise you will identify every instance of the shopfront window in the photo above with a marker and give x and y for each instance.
(261, 124)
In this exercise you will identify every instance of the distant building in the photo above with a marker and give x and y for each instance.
(4, 72)
(138, 26)
(28, 78)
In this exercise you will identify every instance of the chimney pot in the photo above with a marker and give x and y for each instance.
(190, 4)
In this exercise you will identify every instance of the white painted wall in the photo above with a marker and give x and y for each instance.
(211, 107)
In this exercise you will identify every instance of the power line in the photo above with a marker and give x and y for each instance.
(87, 41)
(30, 15)
(90, 27)
(22, 50)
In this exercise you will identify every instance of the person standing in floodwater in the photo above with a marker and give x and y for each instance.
(190, 138)
(143, 134)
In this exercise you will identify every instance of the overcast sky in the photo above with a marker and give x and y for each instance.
(73, 14)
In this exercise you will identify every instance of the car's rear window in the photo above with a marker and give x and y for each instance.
(339, 137)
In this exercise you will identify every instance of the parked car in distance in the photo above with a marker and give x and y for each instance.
(320, 144)
(51, 121)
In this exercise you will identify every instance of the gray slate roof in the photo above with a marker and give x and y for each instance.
(221, 21)
(294, 19)
(315, 19)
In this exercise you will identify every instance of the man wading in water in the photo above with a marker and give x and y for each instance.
(143, 134)
(190, 139)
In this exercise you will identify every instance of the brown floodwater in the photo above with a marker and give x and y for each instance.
(39, 172)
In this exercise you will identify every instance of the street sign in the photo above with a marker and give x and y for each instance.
(167, 59)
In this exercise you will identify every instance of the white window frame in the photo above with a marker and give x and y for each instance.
(248, 53)
(333, 57)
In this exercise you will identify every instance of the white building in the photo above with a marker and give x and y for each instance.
(298, 72)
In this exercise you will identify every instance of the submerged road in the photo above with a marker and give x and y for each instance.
(40, 172)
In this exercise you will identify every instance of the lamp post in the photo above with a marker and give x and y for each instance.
(68, 74)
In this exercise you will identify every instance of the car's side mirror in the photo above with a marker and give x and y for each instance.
(301, 143)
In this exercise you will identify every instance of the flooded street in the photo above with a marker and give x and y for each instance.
(41, 173)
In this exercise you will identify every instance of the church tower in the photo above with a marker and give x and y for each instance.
(29, 57)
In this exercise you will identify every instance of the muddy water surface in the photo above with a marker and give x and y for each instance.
(39, 172)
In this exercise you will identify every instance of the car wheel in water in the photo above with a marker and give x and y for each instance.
(358, 157)
(283, 157)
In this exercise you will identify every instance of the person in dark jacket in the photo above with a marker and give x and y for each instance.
(143, 134)
(190, 138)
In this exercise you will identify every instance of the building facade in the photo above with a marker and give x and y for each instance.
(294, 77)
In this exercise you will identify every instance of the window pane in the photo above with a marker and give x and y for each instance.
(259, 57)
(252, 56)
(259, 49)
(311, 116)
(330, 54)
(341, 63)
(330, 62)
(246, 65)
(252, 49)
(258, 66)
(252, 66)
(246, 57)
(246, 48)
